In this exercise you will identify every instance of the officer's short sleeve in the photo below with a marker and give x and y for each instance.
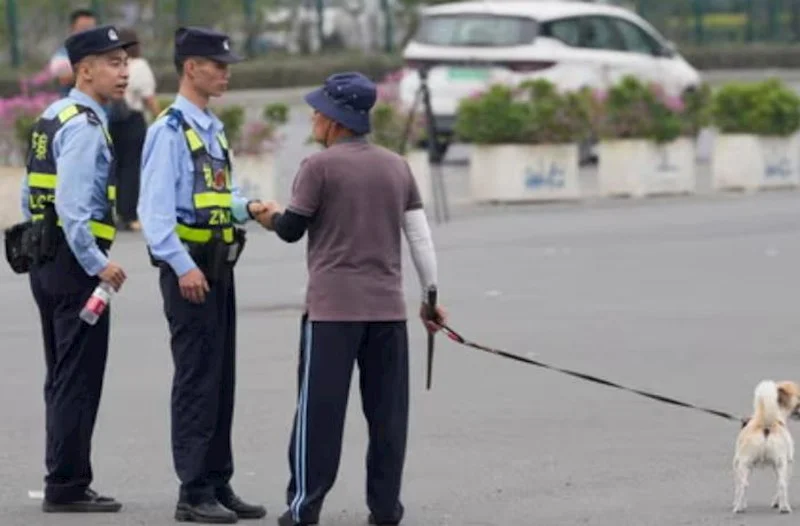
(307, 188)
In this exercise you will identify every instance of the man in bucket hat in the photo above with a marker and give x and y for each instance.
(354, 199)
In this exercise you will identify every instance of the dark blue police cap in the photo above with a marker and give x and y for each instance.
(95, 41)
(206, 43)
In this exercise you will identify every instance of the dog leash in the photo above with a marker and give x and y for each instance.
(456, 337)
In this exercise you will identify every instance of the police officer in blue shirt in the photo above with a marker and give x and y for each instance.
(189, 210)
(68, 195)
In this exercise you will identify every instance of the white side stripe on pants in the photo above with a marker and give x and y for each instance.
(301, 429)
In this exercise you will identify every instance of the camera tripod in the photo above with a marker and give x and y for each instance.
(435, 153)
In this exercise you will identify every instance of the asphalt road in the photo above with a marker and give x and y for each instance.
(693, 298)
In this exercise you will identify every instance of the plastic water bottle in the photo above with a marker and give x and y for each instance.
(97, 303)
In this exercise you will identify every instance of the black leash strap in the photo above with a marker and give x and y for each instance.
(456, 337)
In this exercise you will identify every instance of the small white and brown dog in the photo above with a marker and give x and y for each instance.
(765, 441)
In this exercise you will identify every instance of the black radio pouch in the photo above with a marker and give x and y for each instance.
(18, 249)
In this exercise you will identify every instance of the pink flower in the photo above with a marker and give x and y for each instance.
(675, 104)
(599, 95)
(41, 78)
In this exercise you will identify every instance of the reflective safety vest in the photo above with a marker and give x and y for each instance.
(41, 171)
(211, 193)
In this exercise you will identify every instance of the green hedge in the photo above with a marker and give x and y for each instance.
(279, 72)
(743, 57)
(286, 72)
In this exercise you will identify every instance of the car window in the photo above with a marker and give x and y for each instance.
(568, 31)
(598, 33)
(476, 30)
(634, 38)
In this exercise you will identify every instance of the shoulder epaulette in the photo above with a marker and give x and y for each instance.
(92, 118)
(174, 117)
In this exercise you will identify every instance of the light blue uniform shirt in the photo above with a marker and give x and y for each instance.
(83, 159)
(167, 183)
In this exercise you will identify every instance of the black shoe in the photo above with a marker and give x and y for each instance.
(287, 520)
(371, 520)
(90, 502)
(242, 509)
(207, 513)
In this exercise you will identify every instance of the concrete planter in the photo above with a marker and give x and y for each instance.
(421, 170)
(639, 168)
(11, 178)
(524, 173)
(751, 162)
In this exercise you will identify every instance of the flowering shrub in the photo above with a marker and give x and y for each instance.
(633, 110)
(533, 113)
(389, 121)
(261, 135)
(762, 108)
(18, 115)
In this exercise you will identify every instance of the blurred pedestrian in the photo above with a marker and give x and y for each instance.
(355, 199)
(128, 127)
(60, 66)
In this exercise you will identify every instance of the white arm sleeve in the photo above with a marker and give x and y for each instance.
(420, 242)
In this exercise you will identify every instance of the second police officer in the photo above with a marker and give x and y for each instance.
(69, 197)
(189, 209)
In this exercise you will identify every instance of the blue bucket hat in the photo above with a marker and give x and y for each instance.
(347, 99)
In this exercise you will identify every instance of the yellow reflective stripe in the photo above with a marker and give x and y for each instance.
(213, 199)
(102, 231)
(40, 180)
(223, 141)
(37, 217)
(201, 235)
(67, 113)
(112, 193)
(98, 229)
(194, 140)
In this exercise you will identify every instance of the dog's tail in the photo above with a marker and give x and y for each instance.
(767, 410)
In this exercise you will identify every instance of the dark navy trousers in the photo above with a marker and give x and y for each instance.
(328, 352)
(75, 357)
(203, 341)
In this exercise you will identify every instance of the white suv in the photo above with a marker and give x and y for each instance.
(467, 46)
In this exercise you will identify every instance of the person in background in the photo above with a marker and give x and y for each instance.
(60, 66)
(128, 127)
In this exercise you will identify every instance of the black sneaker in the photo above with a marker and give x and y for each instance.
(90, 502)
(287, 520)
(206, 513)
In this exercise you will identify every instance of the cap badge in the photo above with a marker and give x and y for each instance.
(225, 45)
(112, 35)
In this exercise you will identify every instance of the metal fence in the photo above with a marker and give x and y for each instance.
(33, 29)
(718, 22)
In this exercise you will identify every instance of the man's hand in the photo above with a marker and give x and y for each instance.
(435, 324)
(255, 208)
(114, 275)
(270, 208)
(194, 286)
